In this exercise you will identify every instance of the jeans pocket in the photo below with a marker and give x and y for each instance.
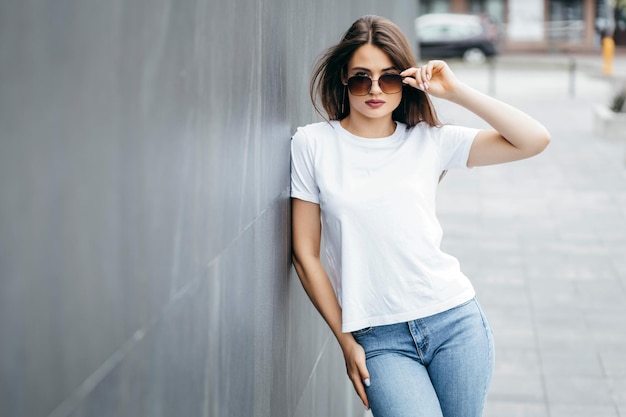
(362, 332)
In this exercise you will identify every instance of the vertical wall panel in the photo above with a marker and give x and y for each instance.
(144, 208)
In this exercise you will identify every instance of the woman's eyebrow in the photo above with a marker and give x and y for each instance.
(368, 70)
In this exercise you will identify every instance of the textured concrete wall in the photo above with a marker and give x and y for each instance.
(144, 208)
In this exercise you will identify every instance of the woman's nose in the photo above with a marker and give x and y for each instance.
(375, 89)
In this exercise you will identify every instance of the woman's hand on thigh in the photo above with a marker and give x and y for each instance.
(357, 370)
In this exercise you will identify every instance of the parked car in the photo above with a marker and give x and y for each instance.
(449, 35)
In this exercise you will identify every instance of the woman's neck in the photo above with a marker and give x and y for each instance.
(369, 128)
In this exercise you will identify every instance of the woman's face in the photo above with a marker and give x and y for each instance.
(369, 60)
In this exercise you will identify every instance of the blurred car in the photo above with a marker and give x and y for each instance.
(450, 35)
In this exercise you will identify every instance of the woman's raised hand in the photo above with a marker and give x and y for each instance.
(435, 78)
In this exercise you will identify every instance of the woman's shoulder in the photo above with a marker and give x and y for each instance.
(444, 136)
(316, 129)
(423, 127)
(436, 131)
(422, 130)
(314, 132)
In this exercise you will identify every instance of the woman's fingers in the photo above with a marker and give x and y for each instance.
(434, 77)
(357, 372)
(424, 78)
(413, 77)
(419, 77)
(359, 387)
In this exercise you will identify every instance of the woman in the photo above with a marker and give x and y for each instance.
(415, 340)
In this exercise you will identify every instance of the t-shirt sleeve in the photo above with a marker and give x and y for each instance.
(455, 143)
(303, 185)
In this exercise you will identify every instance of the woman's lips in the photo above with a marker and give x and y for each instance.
(375, 103)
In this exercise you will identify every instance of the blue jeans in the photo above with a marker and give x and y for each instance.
(431, 367)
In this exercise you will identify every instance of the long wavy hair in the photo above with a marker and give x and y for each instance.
(328, 74)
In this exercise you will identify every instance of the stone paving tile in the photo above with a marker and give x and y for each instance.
(568, 390)
(575, 363)
(517, 361)
(583, 411)
(515, 409)
(517, 388)
(511, 328)
(561, 331)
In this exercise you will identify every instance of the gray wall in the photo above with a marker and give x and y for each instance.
(144, 208)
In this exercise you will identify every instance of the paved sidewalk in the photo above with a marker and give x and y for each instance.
(544, 241)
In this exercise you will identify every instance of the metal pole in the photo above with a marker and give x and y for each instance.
(492, 76)
(572, 77)
(418, 53)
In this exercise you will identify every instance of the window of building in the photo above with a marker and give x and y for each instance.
(434, 6)
(566, 21)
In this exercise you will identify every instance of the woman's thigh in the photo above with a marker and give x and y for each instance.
(462, 366)
(400, 387)
(399, 382)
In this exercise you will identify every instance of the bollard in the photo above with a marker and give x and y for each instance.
(572, 77)
(492, 76)
(608, 50)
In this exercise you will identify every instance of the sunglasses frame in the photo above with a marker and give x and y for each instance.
(369, 89)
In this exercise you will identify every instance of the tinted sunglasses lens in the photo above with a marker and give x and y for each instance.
(359, 86)
(390, 83)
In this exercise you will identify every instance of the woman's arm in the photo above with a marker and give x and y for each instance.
(306, 236)
(515, 134)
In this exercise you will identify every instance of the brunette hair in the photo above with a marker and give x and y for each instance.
(326, 81)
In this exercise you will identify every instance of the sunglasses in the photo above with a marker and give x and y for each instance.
(360, 85)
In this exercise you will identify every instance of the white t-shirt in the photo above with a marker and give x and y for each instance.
(381, 235)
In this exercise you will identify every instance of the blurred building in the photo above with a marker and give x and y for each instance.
(543, 25)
